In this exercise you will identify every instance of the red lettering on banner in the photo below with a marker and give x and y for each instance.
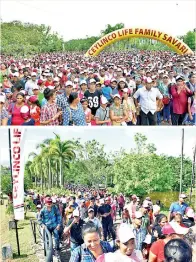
(119, 34)
(147, 32)
(16, 156)
(109, 37)
(178, 45)
(165, 37)
(113, 35)
(16, 165)
(169, 39)
(182, 48)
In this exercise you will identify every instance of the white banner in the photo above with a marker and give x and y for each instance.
(17, 137)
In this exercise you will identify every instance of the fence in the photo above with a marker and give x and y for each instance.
(44, 236)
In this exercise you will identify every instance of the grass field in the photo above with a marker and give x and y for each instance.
(25, 237)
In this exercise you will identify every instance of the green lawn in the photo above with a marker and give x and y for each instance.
(25, 237)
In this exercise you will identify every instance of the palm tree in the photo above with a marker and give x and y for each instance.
(62, 151)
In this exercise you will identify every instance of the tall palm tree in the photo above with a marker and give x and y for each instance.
(62, 151)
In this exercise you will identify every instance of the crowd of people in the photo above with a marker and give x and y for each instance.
(101, 227)
(118, 89)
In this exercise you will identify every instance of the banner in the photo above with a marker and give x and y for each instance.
(173, 42)
(17, 141)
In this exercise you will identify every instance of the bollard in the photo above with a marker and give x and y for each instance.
(7, 252)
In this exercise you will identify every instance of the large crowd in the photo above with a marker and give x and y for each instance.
(118, 89)
(101, 227)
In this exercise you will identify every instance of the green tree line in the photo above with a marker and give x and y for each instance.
(21, 39)
(141, 171)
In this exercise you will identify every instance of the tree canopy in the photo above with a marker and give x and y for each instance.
(21, 39)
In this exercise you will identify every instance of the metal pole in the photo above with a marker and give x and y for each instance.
(181, 170)
(193, 173)
(16, 224)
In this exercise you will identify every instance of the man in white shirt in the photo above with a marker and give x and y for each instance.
(30, 84)
(148, 96)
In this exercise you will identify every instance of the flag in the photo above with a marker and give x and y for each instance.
(17, 141)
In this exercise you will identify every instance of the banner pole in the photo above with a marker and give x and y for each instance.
(16, 224)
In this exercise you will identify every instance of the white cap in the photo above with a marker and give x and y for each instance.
(113, 79)
(104, 100)
(122, 80)
(24, 109)
(60, 75)
(56, 79)
(101, 201)
(83, 82)
(76, 80)
(183, 196)
(190, 213)
(145, 203)
(138, 214)
(149, 80)
(148, 239)
(119, 70)
(39, 206)
(92, 81)
(33, 74)
(125, 233)
(76, 213)
(126, 90)
(2, 98)
(179, 229)
(35, 87)
(117, 95)
(68, 83)
(51, 87)
(16, 74)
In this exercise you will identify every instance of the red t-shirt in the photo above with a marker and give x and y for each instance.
(180, 101)
(47, 83)
(157, 249)
(17, 119)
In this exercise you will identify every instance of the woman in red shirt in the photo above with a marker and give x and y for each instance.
(35, 109)
(180, 93)
(14, 110)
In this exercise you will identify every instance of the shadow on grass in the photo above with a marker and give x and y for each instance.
(17, 256)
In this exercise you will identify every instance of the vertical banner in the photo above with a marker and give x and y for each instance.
(17, 141)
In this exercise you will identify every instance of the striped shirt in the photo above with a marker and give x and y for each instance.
(48, 112)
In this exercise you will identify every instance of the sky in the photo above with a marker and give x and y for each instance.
(166, 140)
(77, 19)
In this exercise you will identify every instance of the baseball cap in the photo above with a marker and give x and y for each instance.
(183, 196)
(76, 213)
(68, 83)
(138, 214)
(39, 82)
(107, 82)
(113, 80)
(104, 100)
(133, 196)
(39, 206)
(51, 87)
(174, 228)
(92, 81)
(33, 74)
(125, 233)
(165, 76)
(83, 82)
(2, 99)
(180, 78)
(190, 212)
(119, 70)
(148, 239)
(16, 74)
(122, 80)
(35, 88)
(33, 99)
(56, 79)
(117, 95)
(145, 203)
(101, 201)
(126, 90)
(91, 210)
(149, 80)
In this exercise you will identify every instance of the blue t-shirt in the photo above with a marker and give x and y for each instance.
(177, 208)
(107, 91)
